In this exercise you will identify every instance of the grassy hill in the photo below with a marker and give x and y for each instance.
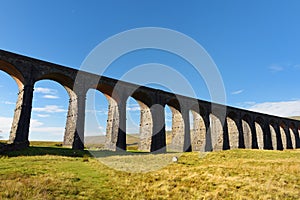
(47, 171)
(132, 140)
(295, 117)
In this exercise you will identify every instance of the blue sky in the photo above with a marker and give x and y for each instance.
(255, 45)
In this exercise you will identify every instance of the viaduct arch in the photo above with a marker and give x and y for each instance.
(208, 131)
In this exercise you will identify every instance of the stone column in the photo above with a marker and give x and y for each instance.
(267, 137)
(239, 125)
(254, 136)
(178, 130)
(296, 133)
(289, 144)
(198, 132)
(112, 126)
(225, 135)
(278, 137)
(146, 126)
(20, 127)
(78, 142)
(121, 140)
(208, 139)
(158, 143)
(71, 121)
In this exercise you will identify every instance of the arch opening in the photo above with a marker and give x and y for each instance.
(97, 133)
(138, 125)
(50, 101)
(9, 88)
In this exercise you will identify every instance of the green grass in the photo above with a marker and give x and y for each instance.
(48, 171)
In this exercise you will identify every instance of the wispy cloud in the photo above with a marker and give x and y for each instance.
(101, 112)
(283, 108)
(35, 126)
(5, 124)
(133, 107)
(45, 90)
(283, 66)
(237, 92)
(136, 108)
(43, 116)
(48, 92)
(49, 130)
(49, 109)
(276, 68)
(38, 126)
(48, 96)
(297, 66)
(8, 102)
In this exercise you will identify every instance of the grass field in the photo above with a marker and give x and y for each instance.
(48, 171)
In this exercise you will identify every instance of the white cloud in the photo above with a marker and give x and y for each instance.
(8, 103)
(237, 92)
(45, 90)
(133, 107)
(48, 93)
(43, 116)
(283, 66)
(283, 108)
(35, 123)
(5, 124)
(38, 126)
(48, 96)
(49, 130)
(168, 128)
(49, 109)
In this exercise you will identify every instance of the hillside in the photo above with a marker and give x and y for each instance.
(132, 140)
(295, 117)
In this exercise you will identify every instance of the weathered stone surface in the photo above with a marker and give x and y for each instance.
(233, 134)
(146, 128)
(177, 131)
(216, 133)
(247, 135)
(198, 132)
(283, 138)
(71, 121)
(112, 125)
(273, 137)
(259, 135)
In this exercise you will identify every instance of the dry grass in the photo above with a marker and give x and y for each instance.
(234, 174)
(295, 117)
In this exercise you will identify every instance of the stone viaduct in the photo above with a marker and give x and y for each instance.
(213, 127)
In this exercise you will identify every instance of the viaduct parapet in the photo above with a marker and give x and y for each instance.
(213, 126)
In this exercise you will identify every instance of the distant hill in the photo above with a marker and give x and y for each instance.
(131, 140)
(295, 117)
